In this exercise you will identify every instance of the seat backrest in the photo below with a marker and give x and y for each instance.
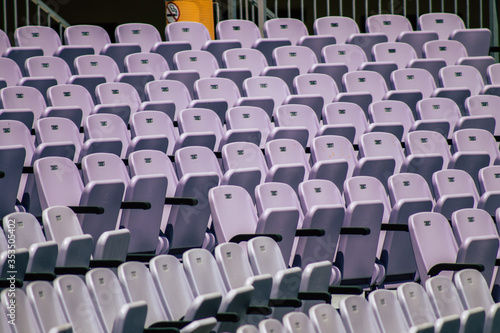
(55, 129)
(104, 166)
(443, 296)
(196, 159)
(23, 97)
(333, 147)
(193, 32)
(366, 188)
(295, 322)
(400, 53)
(267, 86)
(349, 54)
(316, 83)
(106, 293)
(297, 115)
(92, 35)
(25, 317)
(107, 125)
(60, 222)
(48, 66)
(227, 203)
(413, 78)
(471, 222)
(415, 303)
(201, 120)
(474, 139)
(379, 144)
(4, 41)
(119, 93)
(357, 315)
(203, 62)
(16, 133)
(146, 63)
(146, 35)
(493, 72)
(202, 272)
(392, 111)
(246, 117)
(325, 318)
(169, 90)
(289, 28)
(9, 70)
(251, 59)
(172, 285)
(391, 25)
(473, 289)
(153, 123)
(97, 65)
(46, 305)
(272, 195)
(387, 310)
(217, 87)
(453, 181)
(28, 230)
(484, 105)
(365, 81)
(77, 303)
(137, 285)
(265, 256)
(241, 155)
(442, 23)
(341, 27)
(428, 142)
(149, 162)
(300, 56)
(58, 182)
(271, 326)
(449, 50)
(71, 95)
(346, 113)
(461, 76)
(39, 36)
(408, 186)
(245, 31)
(439, 108)
(489, 179)
(432, 241)
(284, 152)
(317, 192)
(233, 264)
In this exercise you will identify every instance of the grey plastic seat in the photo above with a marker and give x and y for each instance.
(357, 315)
(25, 320)
(454, 189)
(113, 310)
(474, 292)
(418, 309)
(271, 325)
(46, 306)
(446, 302)
(204, 278)
(325, 318)
(297, 322)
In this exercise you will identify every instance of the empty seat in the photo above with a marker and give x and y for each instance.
(297, 322)
(25, 320)
(143, 34)
(70, 101)
(391, 116)
(483, 105)
(25, 104)
(325, 317)
(357, 315)
(489, 187)
(12, 159)
(146, 62)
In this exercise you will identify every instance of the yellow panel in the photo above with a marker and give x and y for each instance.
(193, 11)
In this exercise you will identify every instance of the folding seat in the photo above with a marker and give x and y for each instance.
(454, 53)
(354, 57)
(428, 231)
(398, 28)
(358, 316)
(42, 72)
(325, 318)
(46, 307)
(348, 118)
(251, 117)
(249, 36)
(4, 320)
(446, 113)
(25, 320)
(165, 91)
(389, 313)
(418, 79)
(484, 105)
(22, 259)
(149, 126)
(451, 26)
(409, 194)
(460, 76)
(70, 101)
(475, 292)
(143, 34)
(48, 39)
(271, 325)
(419, 312)
(114, 312)
(479, 143)
(109, 169)
(25, 104)
(107, 67)
(117, 98)
(29, 236)
(323, 208)
(247, 329)
(199, 38)
(316, 83)
(306, 61)
(445, 300)
(346, 31)
(111, 127)
(294, 322)
(221, 89)
(204, 278)
(146, 62)
(12, 159)
(196, 159)
(333, 158)
(454, 190)
(10, 74)
(356, 253)
(278, 90)
(391, 116)
(493, 74)
(380, 156)
(478, 224)
(489, 187)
